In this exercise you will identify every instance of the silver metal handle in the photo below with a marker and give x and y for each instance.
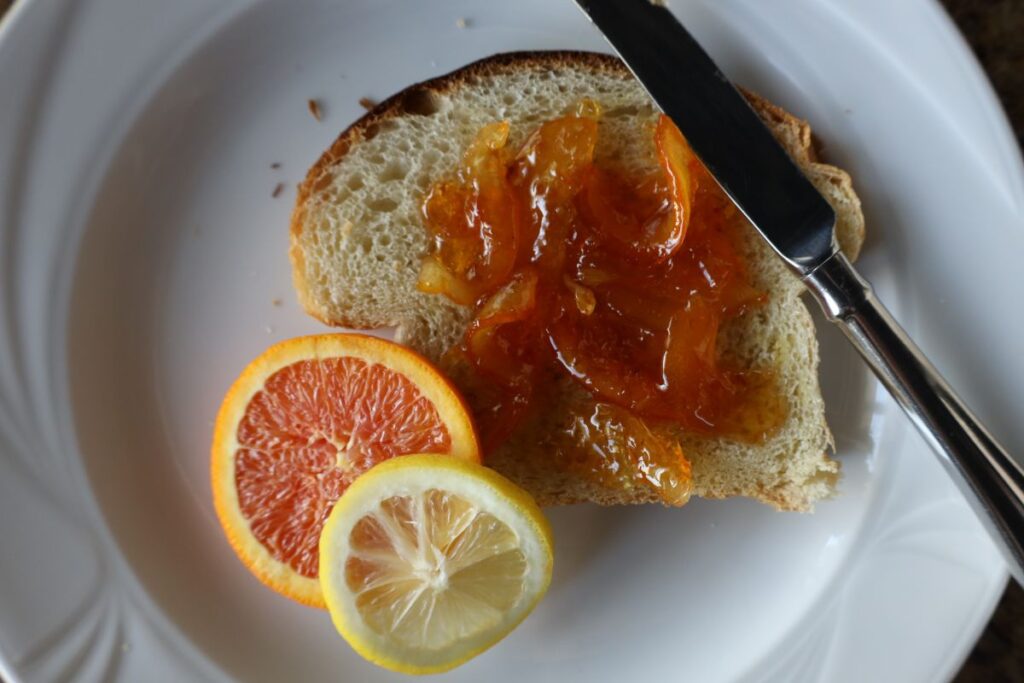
(992, 482)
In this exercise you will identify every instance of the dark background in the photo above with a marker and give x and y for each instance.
(995, 30)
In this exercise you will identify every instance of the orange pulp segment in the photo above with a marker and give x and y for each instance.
(302, 422)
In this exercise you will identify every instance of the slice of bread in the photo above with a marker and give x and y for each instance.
(357, 241)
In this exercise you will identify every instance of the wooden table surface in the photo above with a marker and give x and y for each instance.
(995, 30)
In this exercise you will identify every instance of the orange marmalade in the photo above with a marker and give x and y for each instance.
(621, 282)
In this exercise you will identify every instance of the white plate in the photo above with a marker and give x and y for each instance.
(142, 251)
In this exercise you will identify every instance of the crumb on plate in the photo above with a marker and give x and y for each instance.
(315, 110)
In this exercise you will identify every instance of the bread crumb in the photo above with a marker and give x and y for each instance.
(461, 22)
(276, 302)
(367, 103)
(276, 165)
(269, 329)
(659, 3)
(314, 109)
(278, 189)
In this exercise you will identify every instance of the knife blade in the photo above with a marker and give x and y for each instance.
(725, 133)
(795, 219)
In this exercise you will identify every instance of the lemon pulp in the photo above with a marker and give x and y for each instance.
(425, 564)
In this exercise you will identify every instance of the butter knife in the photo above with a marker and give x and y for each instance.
(772, 192)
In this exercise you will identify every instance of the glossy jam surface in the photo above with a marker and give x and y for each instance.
(619, 281)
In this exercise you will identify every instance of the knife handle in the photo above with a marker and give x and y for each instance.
(992, 481)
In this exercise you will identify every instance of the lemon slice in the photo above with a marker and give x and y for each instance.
(427, 561)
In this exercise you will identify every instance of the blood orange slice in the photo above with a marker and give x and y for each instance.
(298, 426)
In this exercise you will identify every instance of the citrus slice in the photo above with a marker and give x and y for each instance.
(428, 561)
(299, 425)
